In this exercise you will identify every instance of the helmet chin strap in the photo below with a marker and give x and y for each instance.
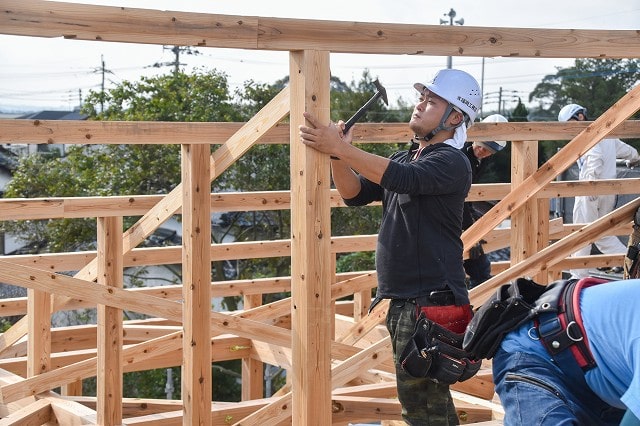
(441, 125)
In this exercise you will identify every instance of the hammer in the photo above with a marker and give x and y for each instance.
(380, 93)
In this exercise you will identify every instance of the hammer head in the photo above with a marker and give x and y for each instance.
(382, 92)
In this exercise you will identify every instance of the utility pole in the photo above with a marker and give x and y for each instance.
(451, 15)
(176, 50)
(102, 86)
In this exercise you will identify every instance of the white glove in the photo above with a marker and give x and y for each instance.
(631, 164)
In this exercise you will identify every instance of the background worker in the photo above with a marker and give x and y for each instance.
(478, 266)
(419, 250)
(598, 163)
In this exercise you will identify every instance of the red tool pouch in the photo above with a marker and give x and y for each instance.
(452, 317)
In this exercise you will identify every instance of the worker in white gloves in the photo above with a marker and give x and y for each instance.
(598, 163)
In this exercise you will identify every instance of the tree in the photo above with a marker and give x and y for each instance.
(593, 83)
(596, 84)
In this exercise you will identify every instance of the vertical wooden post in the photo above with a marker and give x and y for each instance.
(310, 245)
(110, 273)
(526, 234)
(39, 340)
(252, 369)
(196, 285)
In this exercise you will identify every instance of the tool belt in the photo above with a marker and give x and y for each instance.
(509, 307)
(559, 323)
(435, 352)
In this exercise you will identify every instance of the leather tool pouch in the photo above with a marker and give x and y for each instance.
(435, 352)
(509, 307)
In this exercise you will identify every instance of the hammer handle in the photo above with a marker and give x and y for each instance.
(355, 117)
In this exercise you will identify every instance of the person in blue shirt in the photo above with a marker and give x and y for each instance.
(419, 252)
(536, 388)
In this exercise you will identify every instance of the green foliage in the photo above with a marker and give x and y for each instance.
(593, 83)
(201, 96)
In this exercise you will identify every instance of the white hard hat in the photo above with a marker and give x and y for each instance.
(571, 111)
(459, 88)
(494, 146)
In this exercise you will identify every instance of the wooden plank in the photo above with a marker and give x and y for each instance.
(310, 244)
(71, 413)
(35, 414)
(76, 288)
(103, 23)
(74, 132)
(39, 338)
(196, 285)
(564, 158)
(128, 25)
(81, 207)
(252, 370)
(524, 221)
(109, 380)
(349, 409)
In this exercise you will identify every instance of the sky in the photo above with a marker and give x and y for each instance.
(43, 73)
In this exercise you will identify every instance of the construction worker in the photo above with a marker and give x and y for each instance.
(580, 370)
(598, 163)
(419, 251)
(478, 266)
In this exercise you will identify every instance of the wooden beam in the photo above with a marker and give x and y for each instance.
(39, 338)
(74, 132)
(71, 287)
(109, 359)
(35, 414)
(196, 285)
(81, 207)
(119, 24)
(310, 244)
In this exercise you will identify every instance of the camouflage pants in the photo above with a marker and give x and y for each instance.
(424, 402)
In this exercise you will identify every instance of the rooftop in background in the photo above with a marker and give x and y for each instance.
(54, 115)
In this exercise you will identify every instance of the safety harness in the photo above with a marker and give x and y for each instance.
(559, 322)
(555, 310)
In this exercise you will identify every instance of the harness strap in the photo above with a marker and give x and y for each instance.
(564, 329)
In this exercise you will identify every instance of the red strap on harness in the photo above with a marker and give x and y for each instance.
(581, 352)
(572, 335)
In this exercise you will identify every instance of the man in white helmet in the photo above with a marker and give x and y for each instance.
(477, 265)
(598, 163)
(419, 251)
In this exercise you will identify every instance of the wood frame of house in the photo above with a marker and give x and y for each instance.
(338, 358)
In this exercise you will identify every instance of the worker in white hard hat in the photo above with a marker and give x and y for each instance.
(478, 266)
(598, 163)
(419, 252)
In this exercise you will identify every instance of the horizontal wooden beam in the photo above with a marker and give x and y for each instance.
(81, 207)
(75, 132)
(75, 21)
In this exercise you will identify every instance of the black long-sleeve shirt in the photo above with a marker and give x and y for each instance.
(419, 247)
